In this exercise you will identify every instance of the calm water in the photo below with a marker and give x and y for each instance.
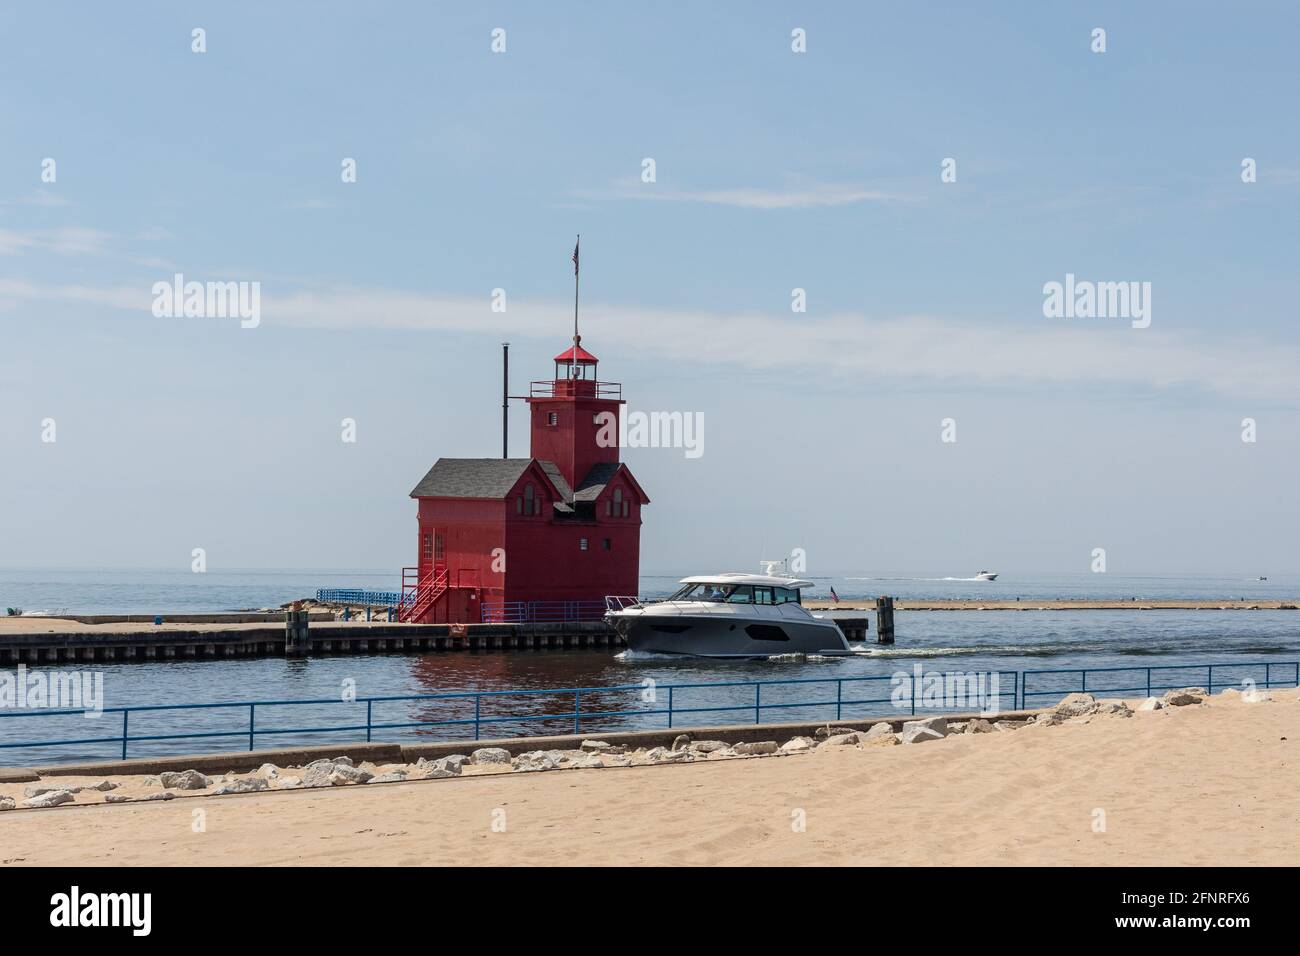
(938, 640)
(177, 591)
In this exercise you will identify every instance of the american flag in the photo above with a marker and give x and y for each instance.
(835, 597)
(575, 256)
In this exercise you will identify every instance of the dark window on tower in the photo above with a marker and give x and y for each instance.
(439, 551)
(616, 504)
(532, 502)
(582, 544)
(609, 545)
(552, 418)
(428, 546)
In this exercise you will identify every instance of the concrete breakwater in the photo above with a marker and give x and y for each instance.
(1061, 604)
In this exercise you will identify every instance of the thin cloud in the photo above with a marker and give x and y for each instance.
(67, 241)
(1043, 352)
(793, 197)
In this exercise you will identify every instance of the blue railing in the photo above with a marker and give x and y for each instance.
(567, 709)
(356, 596)
(530, 612)
(1147, 680)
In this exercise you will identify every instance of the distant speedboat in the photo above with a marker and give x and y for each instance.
(727, 615)
(1262, 578)
(986, 576)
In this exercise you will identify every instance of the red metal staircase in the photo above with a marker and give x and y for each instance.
(420, 594)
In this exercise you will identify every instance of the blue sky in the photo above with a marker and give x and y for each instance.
(774, 171)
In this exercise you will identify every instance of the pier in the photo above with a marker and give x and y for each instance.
(41, 640)
(52, 641)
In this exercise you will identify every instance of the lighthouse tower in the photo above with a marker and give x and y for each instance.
(572, 413)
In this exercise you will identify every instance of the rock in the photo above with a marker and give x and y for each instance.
(117, 798)
(918, 732)
(879, 740)
(1256, 697)
(662, 755)
(829, 731)
(268, 770)
(757, 748)
(330, 761)
(709, 746)
(798, 745)
(1076, 705)
(392, 776)
(720, 754)
(1230, 692)
(165, 795)
(185, 780)
(1008, 725)
(443, 767)
(486, 755)
(38, 789)
(619, 760)
(241, 785)
(681, 742)
(49, 798)
(838, 740)
(343, 774)
(877, 730)
(957, 727)
(7, 803)
(590, 762)
(978, 726)
(1184, 697)
(284, 782)
(317, 775)
(103, 786)
(1152, 703)
(1045, 720)
(533, 761)
(1114, 708)
(594, 746)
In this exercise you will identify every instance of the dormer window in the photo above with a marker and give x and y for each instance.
(617, 505)
(552, 418)
(529, 503)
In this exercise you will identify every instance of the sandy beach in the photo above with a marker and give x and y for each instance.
(1202, 784)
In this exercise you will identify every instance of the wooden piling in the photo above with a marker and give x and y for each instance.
(884, 620)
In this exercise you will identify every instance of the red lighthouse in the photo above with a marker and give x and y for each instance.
(538, 538)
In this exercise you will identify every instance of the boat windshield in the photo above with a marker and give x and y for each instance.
(736, 594)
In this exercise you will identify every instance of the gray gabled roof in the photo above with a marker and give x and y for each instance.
(557, 479)
(471, 478)
(594, 483)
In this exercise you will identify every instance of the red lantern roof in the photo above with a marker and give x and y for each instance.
(576, 355)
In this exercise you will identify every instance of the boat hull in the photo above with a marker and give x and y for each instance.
(704, 636)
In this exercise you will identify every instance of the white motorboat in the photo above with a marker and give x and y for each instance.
(727, 615)
(986, 576)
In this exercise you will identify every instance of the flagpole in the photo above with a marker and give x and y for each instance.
(576, 259)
